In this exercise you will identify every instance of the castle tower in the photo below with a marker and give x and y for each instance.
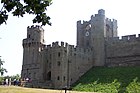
(32, 46)
(84, 34)
(111, 28)
(97, 33)
(90, 34)
(114, 28)
(57, 61)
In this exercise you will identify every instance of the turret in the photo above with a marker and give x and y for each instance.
(32, 47)
(90, 34)
(101, 12)
(79, 33)
(35, 33)
(115, 27)
(111, 28)
(83, 34)
(98, 30)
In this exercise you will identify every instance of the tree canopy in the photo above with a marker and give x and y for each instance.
(21, 7)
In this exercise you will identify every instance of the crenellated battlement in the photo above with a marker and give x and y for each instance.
(83, 23)
(101, 12)
(97, 44)
(111, 24)
(93, 18)
(123, 38)
(35, 27)
(66, 46)
(57, 44)
(114, 20)
(110, 20)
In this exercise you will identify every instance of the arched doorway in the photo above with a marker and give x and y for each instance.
(49, 75)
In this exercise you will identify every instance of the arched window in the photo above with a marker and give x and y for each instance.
(64, 78)
(49, 75)
(58, 54)
(58, 78)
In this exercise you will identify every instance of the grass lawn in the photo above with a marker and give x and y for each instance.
(110, 80)
(16, 89)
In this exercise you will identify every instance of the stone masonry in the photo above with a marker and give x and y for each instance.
(60, 64)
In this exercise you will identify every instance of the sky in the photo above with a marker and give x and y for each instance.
(64, 15)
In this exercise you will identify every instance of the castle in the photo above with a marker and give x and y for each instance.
(60, 64)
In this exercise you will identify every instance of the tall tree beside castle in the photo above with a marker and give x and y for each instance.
(60, 64)
(19, 8)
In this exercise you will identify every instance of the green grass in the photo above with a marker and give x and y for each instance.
(110, 80)
(16, 89)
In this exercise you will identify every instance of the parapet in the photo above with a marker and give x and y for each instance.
(82, 25)
(124, 38)
(114, 20)
(57, 45)
(101, 12)
(110, 21)
(66, 46)
(48, 46)
(37, 27)
(129, 37)
(132, 37)
(79, 22)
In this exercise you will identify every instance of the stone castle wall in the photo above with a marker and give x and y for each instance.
(60, 64)
(124, 51)
(66, 63)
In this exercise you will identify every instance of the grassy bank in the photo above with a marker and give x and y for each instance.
(110, 80)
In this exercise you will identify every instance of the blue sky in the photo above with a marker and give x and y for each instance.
(64, 14)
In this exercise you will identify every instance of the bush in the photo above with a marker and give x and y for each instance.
(1, 80)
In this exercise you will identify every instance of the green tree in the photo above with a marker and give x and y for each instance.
(21, 7)
(17, 77)
(2, 70)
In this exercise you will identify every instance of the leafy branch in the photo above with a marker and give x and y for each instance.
(19, 8)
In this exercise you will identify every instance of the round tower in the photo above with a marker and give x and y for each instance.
(32, 47)
(35, 33)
